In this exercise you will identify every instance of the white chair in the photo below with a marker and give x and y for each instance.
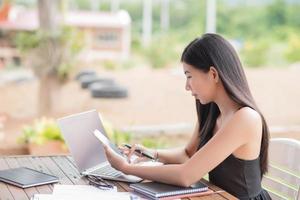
(283, 178)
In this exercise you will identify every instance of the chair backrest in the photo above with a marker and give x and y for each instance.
(283, 178)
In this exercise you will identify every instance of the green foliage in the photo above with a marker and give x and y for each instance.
(163, 141)
(120, 137)
(161, 52)
(40, 131)
(82, 4)
(70, 39)
(254, 53)
(117, 136)
(112, 65)
(104, 5)
(73, 42)
(292, 53)
(73, 39)
(241, 21)
(25, 3)
(276, 13)
(187, 15)
(134, 8)
(109, 64)
(28, 40)
(154, 143)
(45, 129)
(250, 22)
(130, 63)
(186, 22)
(293, 16)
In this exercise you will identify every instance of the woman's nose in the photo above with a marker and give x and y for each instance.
(187, 87)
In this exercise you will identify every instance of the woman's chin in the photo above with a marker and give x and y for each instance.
(202, 101)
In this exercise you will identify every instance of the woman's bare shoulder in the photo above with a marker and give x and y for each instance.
(249, 114)
(250, 120)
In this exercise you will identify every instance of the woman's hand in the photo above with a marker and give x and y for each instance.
(116, 161)
(133, 156)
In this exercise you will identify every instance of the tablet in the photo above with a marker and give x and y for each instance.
(25, 177)
(106, 142)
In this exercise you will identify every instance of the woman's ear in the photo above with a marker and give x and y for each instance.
(214, 74)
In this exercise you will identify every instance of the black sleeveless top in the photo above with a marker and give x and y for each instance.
(241, 178)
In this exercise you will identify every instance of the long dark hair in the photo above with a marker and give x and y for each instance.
(214, 50)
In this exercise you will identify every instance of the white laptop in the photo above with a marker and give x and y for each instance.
(87, 151)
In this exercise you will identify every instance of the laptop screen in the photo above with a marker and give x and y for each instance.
(77, 131)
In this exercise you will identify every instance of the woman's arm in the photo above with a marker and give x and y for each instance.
(182, 154)
(245, 126)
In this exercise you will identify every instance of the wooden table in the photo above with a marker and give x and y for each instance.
(64, 168)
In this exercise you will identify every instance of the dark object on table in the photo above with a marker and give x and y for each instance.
(156, 190)
(25, 177)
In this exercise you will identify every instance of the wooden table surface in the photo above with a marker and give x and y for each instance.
(64, 168)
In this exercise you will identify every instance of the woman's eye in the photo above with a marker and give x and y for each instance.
(188, 77)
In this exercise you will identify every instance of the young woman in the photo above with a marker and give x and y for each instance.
(230, 141)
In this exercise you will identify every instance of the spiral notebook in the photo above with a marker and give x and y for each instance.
(155, 190)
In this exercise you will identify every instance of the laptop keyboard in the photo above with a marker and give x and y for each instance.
(107, 171)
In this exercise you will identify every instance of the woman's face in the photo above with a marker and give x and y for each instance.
(201, 84)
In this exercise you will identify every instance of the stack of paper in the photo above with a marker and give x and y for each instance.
(83, 192)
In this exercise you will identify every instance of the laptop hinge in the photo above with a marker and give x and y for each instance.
(88, 171)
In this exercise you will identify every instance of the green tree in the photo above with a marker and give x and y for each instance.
(276, 13)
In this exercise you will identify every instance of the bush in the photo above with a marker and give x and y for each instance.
(254, 54)
(292, 53)
(161, 52)
(46, 129)
(153, 142)
(109, 65)
(40, 131)
(70, 40)
(117, 136)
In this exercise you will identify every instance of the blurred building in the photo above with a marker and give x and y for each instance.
(106, 34)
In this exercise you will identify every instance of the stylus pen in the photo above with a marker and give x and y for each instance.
(140, 152)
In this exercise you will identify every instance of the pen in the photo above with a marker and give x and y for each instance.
(140, 152)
